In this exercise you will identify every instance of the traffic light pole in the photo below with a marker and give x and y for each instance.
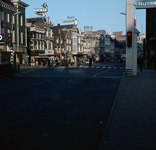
(131, 52)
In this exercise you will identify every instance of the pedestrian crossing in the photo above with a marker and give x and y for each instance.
(101, 67)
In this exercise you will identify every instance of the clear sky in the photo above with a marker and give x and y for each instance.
(101, 14)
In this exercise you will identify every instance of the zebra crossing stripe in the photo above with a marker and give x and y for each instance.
(98, 67)
(109, 67)
(103, 67)
(86, 66)
(115, 67)
(92, 66)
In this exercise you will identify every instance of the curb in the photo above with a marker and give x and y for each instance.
(104, 136)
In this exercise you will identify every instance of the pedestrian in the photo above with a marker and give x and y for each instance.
(116, 62)
(155, 63)
(78, 62)
(69, 63)
(90, 62)
(149, 62)
(44, 62)
(138, 61)
(146, 62)
(121, 62)
(56, 62)
(141, 63)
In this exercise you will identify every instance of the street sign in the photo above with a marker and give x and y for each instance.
(2, 47)
(143, 4)
(1, 38)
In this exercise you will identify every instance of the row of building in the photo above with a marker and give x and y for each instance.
(35, 39)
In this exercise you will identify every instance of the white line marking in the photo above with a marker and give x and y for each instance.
(86, 66)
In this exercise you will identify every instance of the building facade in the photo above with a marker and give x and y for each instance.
(20, 32)
(7, 11)
(40, 40)
(150, 42)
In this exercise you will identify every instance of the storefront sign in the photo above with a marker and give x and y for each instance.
(49, 52)
(143, 4)
(2, 47)
(40, 10)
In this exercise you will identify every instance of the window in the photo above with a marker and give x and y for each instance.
(36, 35)
(2, 30)
(47, 32)
(66, 48)
(21, 20)
(7, 17)
(51, 33)
(61, 41)
(47, 45)
(59, 31)
(57, 40)
(13, 19)
(51, 45)
(13, 37)
(2, 15)
(69, 48)
(67, 41)
(21, 37)
(39, 36)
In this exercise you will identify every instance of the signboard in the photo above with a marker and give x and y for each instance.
(40, 10)
(143, 4)
(68, 20)
(1, 38)
(49, 52)
(2, 47)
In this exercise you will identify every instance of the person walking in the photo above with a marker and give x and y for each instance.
(141, 63)
(149, 62)
(90, 62)
(116, 62)
(155, 63)
(121, 62)
(78, 62)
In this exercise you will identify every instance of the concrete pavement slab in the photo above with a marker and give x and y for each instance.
(133, 120)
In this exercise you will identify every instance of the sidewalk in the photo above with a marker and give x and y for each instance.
(132, 121)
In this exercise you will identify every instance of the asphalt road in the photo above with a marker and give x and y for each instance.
(57, 108)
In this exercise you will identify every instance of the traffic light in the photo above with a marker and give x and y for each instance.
(9, 39)
(129, 39)
(12, 57)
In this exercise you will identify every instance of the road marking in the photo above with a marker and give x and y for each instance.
(86, 66)
(115, 67)
(103, 72)
(92, 66)
(103, 67)
(98, 67)
(109, 67)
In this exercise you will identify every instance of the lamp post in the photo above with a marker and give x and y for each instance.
(60, 47)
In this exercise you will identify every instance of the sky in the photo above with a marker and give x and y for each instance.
(100, 14)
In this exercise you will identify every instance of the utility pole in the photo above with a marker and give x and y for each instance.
(60, 47)
(131, 52)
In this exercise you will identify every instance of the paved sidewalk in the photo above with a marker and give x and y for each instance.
(132, 121)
